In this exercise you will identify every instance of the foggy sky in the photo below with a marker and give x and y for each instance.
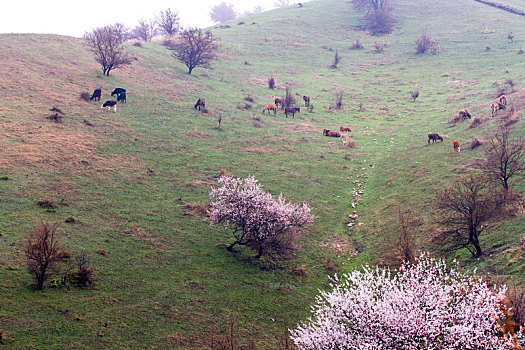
(74, 18)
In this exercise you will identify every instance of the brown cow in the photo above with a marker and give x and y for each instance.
(434, 137)
(279, 101)
(456, 145)
(331, 133)
(503, 100)
(345, 139)
(345, 129)
(270, 107)
(495, 107)
(292, 111)
(306, 100)
(464, 114)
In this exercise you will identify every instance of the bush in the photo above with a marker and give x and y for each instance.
(85, 96)
(42, 252)
(357, 44)
(271, 82)
(336, 60)
(424, 305)
(425, 42)
(379, 47)
(475, 123)
(475, 143)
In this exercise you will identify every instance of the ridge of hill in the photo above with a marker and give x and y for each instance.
(137, 181)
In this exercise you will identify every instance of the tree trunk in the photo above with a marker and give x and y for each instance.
(189, 70)
(230, 247)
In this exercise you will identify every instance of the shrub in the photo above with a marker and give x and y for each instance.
(475, 123)
(42, 252)
(425, 42)
(339, 99)
(259, 221)
(85, 96)
(423, 305)
(336, 60)
(137, 44)
(289, 99)
(379, 47)
(249, 98)
(475, 143)
(271, 82)
(357, 44)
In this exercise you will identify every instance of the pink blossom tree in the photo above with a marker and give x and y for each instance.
(265, 224)
(420, 306)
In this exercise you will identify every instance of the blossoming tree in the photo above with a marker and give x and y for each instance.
(257, 220)
(422, 306)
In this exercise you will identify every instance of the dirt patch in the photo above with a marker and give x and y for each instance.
(258, 150)
(474, 164)
(198, 133)
(459, 84)
(340, 245)
(201, 183)
(294, 43)
(196, 209)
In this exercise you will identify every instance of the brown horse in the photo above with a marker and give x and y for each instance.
(279, 101)
(292, 111)
(434, 137)
(270, 107)
(306, 100)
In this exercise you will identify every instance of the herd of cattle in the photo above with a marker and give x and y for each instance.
(500, 104)
(121, 97)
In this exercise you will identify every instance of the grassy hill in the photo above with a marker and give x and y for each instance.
(136, 180)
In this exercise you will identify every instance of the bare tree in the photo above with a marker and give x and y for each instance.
(145, 30)
(337, 59)
(505, 155)
(258, 9)
(168, 22)
(195, 48)
(106, 44)
(282, 3)
(377, 14)
(222, 12)
(289, 99)
(339, 99)
(42, 252)
(401, 247)
(464, 207)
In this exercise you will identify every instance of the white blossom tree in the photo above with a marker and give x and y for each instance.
(421, 306)
(265, 224)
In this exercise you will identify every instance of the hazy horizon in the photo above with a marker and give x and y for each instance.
(65, 17)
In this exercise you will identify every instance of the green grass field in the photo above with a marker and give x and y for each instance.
(164, 277)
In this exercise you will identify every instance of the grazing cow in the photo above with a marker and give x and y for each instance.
(503, 100)
(464, 114)
(292, 111)
(455, 143)
(200, 103)
(270, 107)
(306, 100)
(345, 129)
(122, 97)
(110, 104)
(345, 139)
(279, 101)
(495, 107)
(434, 137)
(96, 95)
(331, 133)
(118, 91)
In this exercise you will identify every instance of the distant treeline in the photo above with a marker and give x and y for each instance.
(502, 7)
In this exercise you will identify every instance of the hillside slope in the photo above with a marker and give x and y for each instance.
(136, 181)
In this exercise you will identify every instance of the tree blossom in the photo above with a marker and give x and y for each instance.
(256, 218)
(420, 306)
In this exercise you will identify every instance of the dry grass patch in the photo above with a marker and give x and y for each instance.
(196, 209)
(201, 183)
(258, 150)
(198, 133)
